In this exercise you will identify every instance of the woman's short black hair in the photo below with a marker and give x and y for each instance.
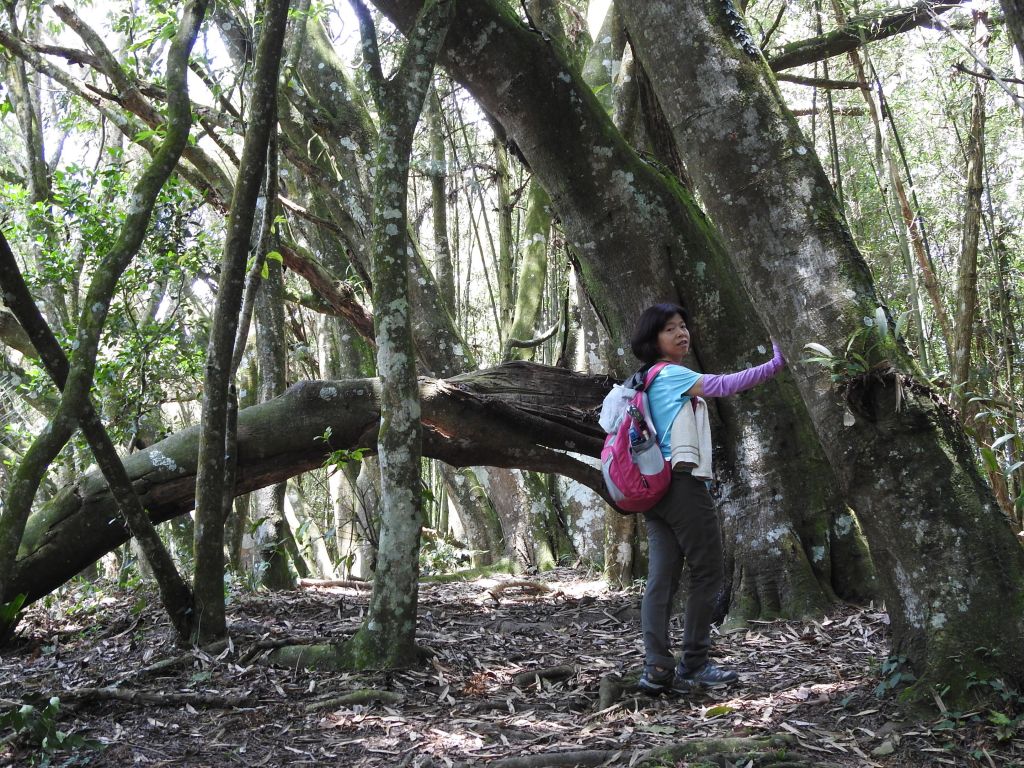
(649, 325)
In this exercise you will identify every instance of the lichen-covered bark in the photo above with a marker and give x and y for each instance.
(272, 356)
(949, 566)
(387, 637)
(532, 273)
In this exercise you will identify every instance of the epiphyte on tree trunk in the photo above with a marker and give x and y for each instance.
(738, 28)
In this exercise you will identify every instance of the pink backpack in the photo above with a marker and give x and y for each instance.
(635, 472)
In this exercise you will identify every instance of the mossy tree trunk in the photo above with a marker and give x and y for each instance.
(950, 567)
(387, 637)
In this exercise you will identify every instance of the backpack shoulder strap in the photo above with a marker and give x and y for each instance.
(652, 373)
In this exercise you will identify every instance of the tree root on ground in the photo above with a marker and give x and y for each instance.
(153, 698)
(554, 674)
(614, 687)
(528, 587)
(360, 696)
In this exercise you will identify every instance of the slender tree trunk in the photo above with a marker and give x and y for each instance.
(387, 638)
(911, 220)
(443, 272)
(967, 269)
(208, 584)
(504, 257)
(273, 364)
(901, 461)
(532, 274)
(75, 399)
(27, 107)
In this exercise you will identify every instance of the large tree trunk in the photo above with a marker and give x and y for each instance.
(950, 568)
(478, 418)
(640, 238)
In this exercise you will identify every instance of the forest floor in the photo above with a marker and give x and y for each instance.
(515, 680)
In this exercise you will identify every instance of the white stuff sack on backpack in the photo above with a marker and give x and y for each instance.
(613, 409)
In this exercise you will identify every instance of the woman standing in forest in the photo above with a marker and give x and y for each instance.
(683, 525)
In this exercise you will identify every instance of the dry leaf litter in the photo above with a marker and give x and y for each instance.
(513, 678)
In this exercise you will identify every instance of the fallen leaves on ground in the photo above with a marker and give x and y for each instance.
(513, 673)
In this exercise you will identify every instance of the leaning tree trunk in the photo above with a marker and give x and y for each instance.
(640, 238)
(951, 571)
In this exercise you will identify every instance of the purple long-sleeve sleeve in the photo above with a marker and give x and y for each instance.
(725, 384)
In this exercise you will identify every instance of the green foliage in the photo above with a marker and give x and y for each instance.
(440, 556)
(865, 350)
(336, 460)
(10, 614)
(39, 727)
(1006, 716)
(894, 672)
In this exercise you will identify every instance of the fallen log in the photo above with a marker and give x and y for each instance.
(519, 415)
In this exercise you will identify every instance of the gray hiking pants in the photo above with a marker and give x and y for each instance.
(683, 526)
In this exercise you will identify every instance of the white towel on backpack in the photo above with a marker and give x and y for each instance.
(690, 439)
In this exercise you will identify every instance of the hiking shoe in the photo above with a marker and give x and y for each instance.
(655, 683)
(708, 676)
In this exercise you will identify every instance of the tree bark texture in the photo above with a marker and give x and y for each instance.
(640, 238)
(272, 354)
(967, 269)
(950, 568)
(532, 273)
(518, 415)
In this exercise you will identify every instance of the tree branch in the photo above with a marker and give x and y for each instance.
(819, 82)
(857, 31)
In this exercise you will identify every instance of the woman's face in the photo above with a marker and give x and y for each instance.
(674, 339)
